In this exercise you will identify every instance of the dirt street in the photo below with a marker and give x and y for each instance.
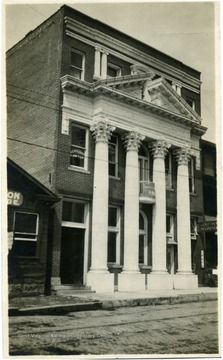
(167, 329)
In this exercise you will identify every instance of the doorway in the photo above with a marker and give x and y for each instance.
(72, 256)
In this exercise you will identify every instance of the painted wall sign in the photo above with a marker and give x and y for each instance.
(208, 226)
(15, 198)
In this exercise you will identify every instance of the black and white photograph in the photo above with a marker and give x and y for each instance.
(111, 166)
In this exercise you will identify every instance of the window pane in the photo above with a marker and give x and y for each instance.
(78, 136)
(111, 152)
(77, 156)
(76, 59)
(111, 247)
(141, 249)
(112, 169)
(73, 212)
(112, 216)
(111, 72)
(25, 223)
(75, 73)
(168, 224)
(113, 140)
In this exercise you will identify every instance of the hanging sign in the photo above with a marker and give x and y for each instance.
(15, 198)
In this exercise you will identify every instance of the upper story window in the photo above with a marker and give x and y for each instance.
(169, 228)
(113, 234)
(209, 164)
(113, 70)
(77, 64)
(193, 228)
(192, 175)
(191, 102)
(78, 151)
(113, 156)
(25, 233)
(144, 165)
(168, 170)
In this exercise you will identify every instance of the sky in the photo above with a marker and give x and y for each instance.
(187, 31)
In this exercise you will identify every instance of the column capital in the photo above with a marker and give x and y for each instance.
(183, 155)
(132, 140)
(102, 130)
(160, 148)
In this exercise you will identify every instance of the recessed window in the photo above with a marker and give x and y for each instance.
(73, 212)
(193, 228)
(209, 164)
(113, 70)
(25, 233)
(192, 175)
(143, 238)
(113, 234)
(144, 167)
(168, 170)
(113, 156)
(78, 146)
(191, 102)
(77, 64)
(169, 228)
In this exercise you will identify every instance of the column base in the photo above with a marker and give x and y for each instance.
(185, 281)
(160, 281)
(55, 283)
(101, 282)
(131, 281)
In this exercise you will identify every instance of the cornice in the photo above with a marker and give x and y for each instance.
(99, 39)
(70, 83)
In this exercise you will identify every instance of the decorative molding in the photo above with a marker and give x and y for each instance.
(73, 27)
(132, 140)
(102, 130)
(183, 155)
(160, 148)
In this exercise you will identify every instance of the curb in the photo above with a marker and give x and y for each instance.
(112, 304)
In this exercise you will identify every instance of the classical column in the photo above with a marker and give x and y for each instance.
(97, 63)
(98, 276)
(131, 278)
(184, 277)
(159, 150)
(104, 64)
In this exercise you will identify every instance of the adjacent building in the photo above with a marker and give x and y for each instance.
(112, 126)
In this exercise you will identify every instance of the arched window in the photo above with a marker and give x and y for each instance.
(143, 238)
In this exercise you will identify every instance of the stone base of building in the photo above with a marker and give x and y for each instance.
(131, 281)
(185, 281)
(101, 282)
(159, 281)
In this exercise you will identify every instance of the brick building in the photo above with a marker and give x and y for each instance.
(111, 126)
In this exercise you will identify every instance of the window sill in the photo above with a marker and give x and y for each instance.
(73, 168)
(170, 189)
(193, 194)
(114, 177)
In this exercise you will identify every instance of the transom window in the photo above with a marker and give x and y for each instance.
(168, 170)
(192, 175)
(113, 156)
(73, 212)
(143, 238)
(78, 146)
(25, 233)
(113, 234)
(77, 64)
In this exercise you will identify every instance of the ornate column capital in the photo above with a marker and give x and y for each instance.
(132, 140)
(183, 155)
(102, 130)
(160, 148)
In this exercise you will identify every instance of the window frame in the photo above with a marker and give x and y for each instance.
(191, 102)
(17, 232)
(114, 67)
(191, 175)
(170, 234)
(169, 171)
(82, 70)
(76, 167)
(144, 232)
(116, 156)
(115, 229)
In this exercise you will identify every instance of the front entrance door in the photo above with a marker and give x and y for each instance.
(72, 256)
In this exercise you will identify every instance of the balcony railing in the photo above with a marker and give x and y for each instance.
(147, 192)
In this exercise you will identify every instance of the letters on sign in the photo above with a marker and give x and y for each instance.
(15, 198)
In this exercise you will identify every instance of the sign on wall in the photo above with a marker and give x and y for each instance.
(15, 198)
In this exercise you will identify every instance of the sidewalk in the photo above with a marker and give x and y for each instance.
(58, 304)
